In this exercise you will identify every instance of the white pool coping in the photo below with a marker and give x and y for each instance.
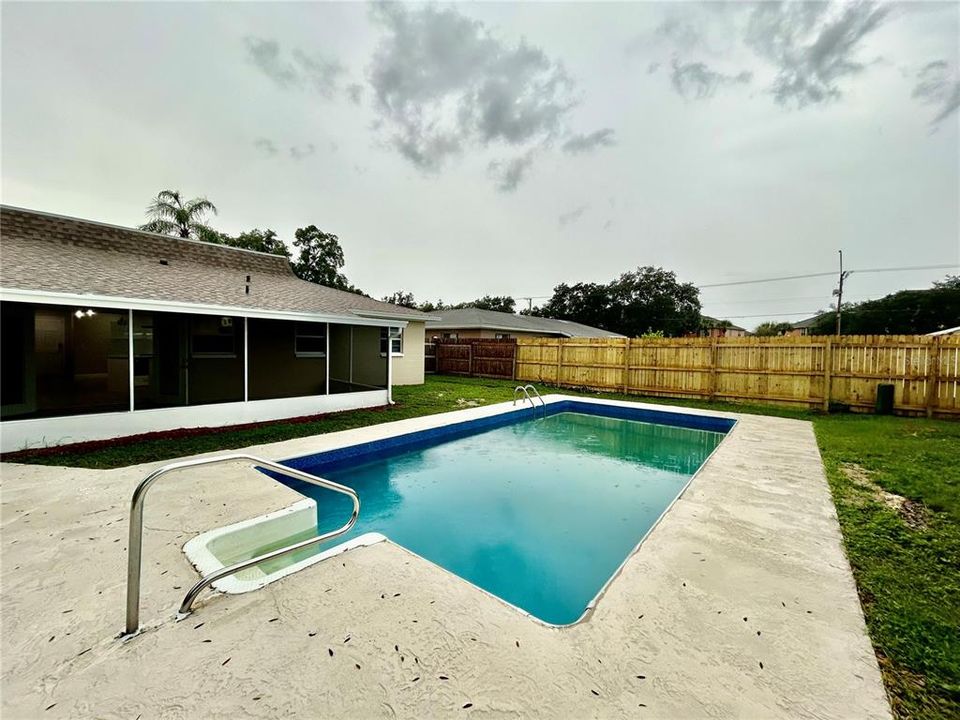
(755, 535)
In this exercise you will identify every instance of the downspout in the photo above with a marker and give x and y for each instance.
(390, 366)
(246, 359)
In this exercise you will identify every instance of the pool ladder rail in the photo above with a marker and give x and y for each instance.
(525, 390)
(134, 553)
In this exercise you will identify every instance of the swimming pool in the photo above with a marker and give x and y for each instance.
(537, 507)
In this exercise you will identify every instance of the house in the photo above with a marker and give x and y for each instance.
(804, 326)
(109, 331)
(711, 327)
(472, 322)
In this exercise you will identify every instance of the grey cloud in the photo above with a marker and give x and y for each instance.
(813, 45)
(300, 71)
(265, 55)
(937, 86)
(587, 143)
(510, 173)
(443, 82)
(697, 81)
(568, 218)
(265, 145)
(608, 224)
(354, 93)
(319, 72)
(680, 32)
(652, 68)
(299, 152)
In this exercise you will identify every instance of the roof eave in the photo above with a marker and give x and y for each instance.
(387, 315)
(117, 302)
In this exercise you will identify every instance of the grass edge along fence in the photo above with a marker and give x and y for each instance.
(815, 372)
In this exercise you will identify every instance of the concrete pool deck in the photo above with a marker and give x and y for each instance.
(740, 603)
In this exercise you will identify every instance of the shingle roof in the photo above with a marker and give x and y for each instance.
(475, 318)
(808, 322)
(715, 323)
(52, 253)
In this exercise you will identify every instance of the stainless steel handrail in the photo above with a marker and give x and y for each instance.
(535, 392)
(136, 530)
(523, 389)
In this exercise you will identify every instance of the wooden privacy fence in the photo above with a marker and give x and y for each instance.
(810, 371)
(475, 357)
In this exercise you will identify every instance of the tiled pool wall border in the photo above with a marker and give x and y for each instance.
(680, 417)
(330, 459)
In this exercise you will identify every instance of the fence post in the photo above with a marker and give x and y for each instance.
(827, 373)
(933, 375)
(469, 359)
(559, 359)
(626, 366)
(714, 352)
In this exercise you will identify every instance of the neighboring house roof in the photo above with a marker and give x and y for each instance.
(52, 254)
(803, 324)
(712, 322)
(947, 331)
(472, 318)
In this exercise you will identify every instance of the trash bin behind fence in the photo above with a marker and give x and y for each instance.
(884, 399)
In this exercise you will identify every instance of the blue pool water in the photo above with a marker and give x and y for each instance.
(540, 512)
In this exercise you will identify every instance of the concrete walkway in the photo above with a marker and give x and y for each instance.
(739, 604)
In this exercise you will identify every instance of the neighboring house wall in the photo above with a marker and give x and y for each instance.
(471, 333)
(408, 368)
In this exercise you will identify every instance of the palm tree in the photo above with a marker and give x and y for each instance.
(170, 215)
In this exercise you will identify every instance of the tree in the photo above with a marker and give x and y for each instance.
(401, 298)
(643, 301)
(265, 241)
(319, 258)
(908, 312)
(431, 307)
(497, 303)
(949, 282)
(587, 303)
(772, 329)
(169, 214)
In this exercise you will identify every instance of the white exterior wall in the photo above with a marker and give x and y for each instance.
(408, 368)
(42, 432)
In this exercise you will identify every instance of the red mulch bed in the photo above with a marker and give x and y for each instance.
(93, 445)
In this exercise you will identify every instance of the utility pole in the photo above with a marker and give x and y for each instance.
(838, 291)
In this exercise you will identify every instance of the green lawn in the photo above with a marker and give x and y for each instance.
(895, 481)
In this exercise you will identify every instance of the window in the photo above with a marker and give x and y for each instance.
(393, 336)
(502, 336)
(212, 336)
(449, 336)
(310, 340)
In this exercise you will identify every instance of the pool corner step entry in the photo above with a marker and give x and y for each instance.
(540, 510)
(135, 547)
(218, 548)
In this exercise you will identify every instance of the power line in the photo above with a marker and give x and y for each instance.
(729, 317)
(828, 274)
(949, 266)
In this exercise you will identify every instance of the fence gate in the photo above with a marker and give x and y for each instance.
(473, 357)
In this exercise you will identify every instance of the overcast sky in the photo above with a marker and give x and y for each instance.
(459, 150)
